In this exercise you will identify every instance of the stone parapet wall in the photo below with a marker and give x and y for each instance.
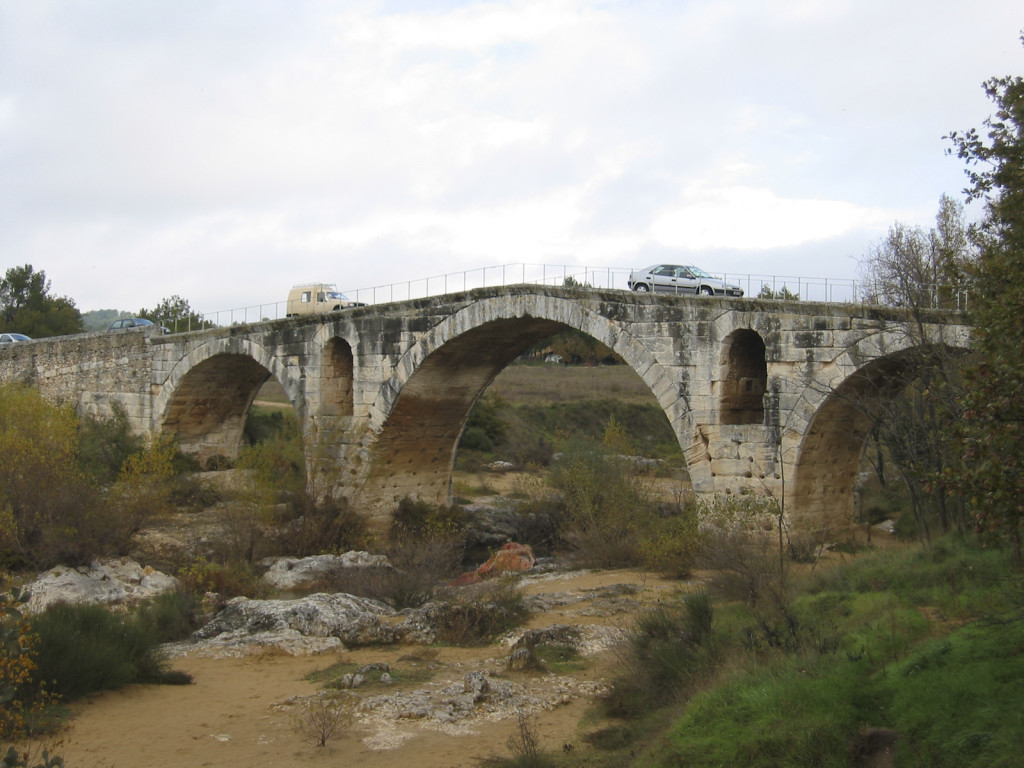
(89, 371)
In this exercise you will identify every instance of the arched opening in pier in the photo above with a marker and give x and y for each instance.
(744, 378)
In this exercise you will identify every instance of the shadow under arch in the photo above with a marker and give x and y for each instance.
(205, 399)
(830, 448)
(422, 409)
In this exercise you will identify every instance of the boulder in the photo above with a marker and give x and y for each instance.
(351, 619)
(511, 558)
(113, 581)
(292, 573)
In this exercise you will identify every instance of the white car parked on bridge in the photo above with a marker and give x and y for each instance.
(13, 338)
(677, 278)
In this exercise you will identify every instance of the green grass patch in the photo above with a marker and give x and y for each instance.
(880, 645)
(560, 658)
(956, 700)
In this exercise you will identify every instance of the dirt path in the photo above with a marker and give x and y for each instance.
(242, 711)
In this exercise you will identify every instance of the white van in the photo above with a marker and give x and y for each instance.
(314, 298)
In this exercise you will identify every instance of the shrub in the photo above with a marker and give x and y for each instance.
(17, 643)
(476, 439)
(311, 527)
(105, 443)
(277, 463)
(606, 506)
(669, 545)
(321, 718)
(170, 615)
(48, 510)
(418, 568)
(668, 653)
(739, 541)
(417, 518)
(478, 613)
(143, 487)
(425, 545)
(264, 425)
(86, 648)
(203, 576)
(186, 489)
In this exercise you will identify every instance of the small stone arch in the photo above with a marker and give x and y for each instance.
(205, 398)
(744, 378)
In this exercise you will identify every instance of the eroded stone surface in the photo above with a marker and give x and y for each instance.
(294, 573)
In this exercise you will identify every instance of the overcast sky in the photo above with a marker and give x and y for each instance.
(224, 150)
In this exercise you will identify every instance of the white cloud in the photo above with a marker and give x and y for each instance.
(228, 147)
(756, 219)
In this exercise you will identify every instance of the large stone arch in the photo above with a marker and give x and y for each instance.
(207, 394)
(421, 409)
(824, 437)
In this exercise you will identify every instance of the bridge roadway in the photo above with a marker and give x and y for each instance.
(764, 396)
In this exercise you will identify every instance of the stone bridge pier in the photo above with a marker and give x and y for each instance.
(764, 396)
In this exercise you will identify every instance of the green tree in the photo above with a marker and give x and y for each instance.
(993, 422)
(919, 269)
(27, 306)
(51, 510)
(783, 293)
(44, 498)
(175, 313)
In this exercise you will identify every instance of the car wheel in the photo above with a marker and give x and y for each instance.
(641, 288)
(707, 290)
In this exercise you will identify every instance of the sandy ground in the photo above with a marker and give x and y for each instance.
(243, 711)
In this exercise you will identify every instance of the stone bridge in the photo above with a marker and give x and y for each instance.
(763, 396)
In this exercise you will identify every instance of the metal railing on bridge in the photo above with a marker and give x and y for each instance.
(614, 278)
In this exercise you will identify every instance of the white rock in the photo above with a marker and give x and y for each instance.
(114, 581)
(290, 573)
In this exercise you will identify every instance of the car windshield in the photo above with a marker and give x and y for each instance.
(337, 296)
(698, 272)
(143, 321)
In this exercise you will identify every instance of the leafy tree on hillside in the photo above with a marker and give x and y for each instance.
(175, 313)
(27, 306)
(993, 423)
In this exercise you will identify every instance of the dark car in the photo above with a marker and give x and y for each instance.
(677, 278)
(13, 338)
(134, 322)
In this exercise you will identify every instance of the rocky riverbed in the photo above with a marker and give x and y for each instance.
(420, 704)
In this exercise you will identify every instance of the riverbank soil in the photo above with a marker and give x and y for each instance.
(244, 711)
